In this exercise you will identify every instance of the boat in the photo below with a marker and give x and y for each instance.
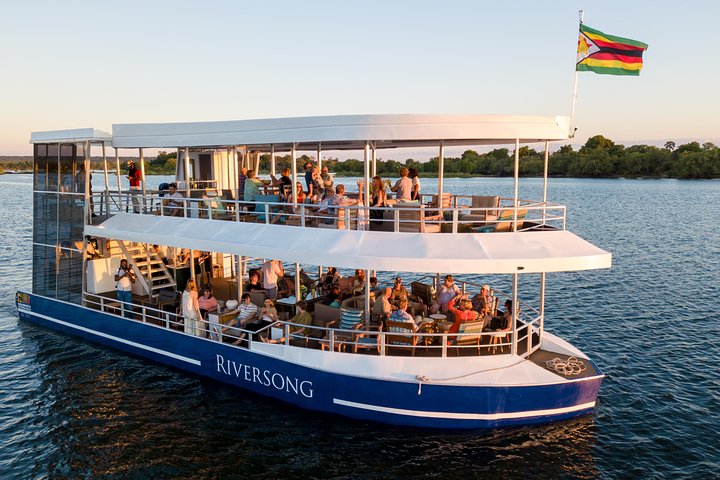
(349, 361)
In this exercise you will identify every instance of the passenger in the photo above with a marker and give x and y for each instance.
(379, 199)
(463, 314)
(308, 178)
(246, 314)
(252, 188)
(399, 292)
(271, 271)
(483, 302)
(125, 278)
(254, 282)
(318, 191)
(332, 297)
(327, 179)
(401, 314)
(403, 187)
(502, 323)
(415, 179)
(300, 193)
(445, 294)
(382, 307)
(207, 303)
(358, 282)
(302, 317)
(192, 318)
(330, 277)
(284, 182)
(374, 287)
(135, 178)
(269, 313)
(173, 202)
(242, 177)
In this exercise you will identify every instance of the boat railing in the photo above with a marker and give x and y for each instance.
(529, 215)
(433, 343)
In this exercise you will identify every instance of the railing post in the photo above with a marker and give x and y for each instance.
(237, 208)
(455, 220)
(444, 345)
(302, 215)
(332, 340)
(381, 343)
(267, 213)
(396, 220)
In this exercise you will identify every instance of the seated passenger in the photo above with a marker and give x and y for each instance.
(463, 314)
(246, 314)
(252, 188)
(269, 313)
(401, 314)
(502, 323)
(382, 307)
(483, 302)
(173, 202)
(284, 182)
(207, 303)
(332, 297)
(375, 289)
(302, 317)
(330, 277)
(358, 282)
(445, 294)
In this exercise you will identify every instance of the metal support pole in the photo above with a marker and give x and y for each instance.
(441, 167)
(86, 216)
(257, 163)
(119, 184)
(240, 267)
(541, 323)
(513, 348)
(142, 175)
(272, 160)
(319, 156)
(236, 172)
(367, 298)
(545, 178)
(374, 160)
(297, 282)
(517, 176)
(366, 186)
(187, 173)
(574, 95)
(192, 264)
(293, 157)
(107, 180)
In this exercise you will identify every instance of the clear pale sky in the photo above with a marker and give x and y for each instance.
(73, 64)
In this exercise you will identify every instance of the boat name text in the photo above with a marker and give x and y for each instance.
(267, 378)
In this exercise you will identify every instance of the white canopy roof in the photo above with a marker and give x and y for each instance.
(345, 131)
(522, 252)
(71, 136)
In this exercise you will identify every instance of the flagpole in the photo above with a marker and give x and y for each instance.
(581, 14)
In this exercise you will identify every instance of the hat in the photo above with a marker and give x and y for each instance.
(485, 287)
(130, 162)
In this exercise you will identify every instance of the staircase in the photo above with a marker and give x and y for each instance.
(147, 265)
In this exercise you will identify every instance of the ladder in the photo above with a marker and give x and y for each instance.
(147, 265)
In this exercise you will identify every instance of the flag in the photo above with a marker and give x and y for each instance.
(606, 54)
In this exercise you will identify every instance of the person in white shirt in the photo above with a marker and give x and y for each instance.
(173, 203)
(271, 271)
(445, 294)
(247, 312)
(415, 179)
(125, 279)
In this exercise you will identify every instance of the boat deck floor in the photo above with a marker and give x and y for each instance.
(540, 357)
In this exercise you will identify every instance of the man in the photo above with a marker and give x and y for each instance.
(445, 294)
(241, 183)
(284, 182)
(403, 187)
(125, 279)
(247, 311)
(483, 302)
(401, 314)
(302, 317)
(134, 176)
(382, 306)
(308, 177)
(271, 271)
(173, 202)
(327, 179)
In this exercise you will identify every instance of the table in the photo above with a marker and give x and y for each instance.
(438, 316)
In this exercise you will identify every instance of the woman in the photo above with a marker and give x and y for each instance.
(269, 313)
(358, 282)
(318, 191)
(191, 310)
(207, 303)
(379, 199)
(463, 314)
(300, 193)
(253, 282)
(252, 188)
(331, 277)
(415, 192)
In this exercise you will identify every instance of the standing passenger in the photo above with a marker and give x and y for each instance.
(271, 271)
(125, 279)
(192, 318)
(403, 187)
(413, 175)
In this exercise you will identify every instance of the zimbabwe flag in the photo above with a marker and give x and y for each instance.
(605, 54)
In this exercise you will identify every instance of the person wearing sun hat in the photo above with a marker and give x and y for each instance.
(483, 302)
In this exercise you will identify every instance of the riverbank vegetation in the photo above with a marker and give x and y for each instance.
(600, 157)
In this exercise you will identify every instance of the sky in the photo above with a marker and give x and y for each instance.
(76, 64)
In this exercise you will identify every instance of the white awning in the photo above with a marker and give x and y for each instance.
(346, 131)
(522, 252)
(71, 136)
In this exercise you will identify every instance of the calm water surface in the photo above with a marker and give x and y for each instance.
(70, 409)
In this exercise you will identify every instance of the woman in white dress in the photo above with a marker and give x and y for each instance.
(191, 310)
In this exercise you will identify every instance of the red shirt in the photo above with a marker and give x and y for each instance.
(135, 176)
(461, 316)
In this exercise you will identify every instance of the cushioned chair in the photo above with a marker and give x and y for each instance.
(350, 321)
(469, 333)
(412, 217)
(400, 334)
(489, 203)
(504, 222)
(261, 200)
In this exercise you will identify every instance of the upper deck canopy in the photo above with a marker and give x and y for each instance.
(345, 131)
(71, 136)
(521, 252)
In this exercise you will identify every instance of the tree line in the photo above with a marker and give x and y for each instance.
(599, 157)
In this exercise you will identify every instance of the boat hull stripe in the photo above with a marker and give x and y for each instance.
(465, 416)
(182, 358)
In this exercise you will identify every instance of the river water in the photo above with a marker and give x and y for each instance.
(70, 409)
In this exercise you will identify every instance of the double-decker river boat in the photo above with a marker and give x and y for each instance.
(487, 370)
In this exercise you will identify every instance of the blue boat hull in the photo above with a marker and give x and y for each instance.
(401, 403)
